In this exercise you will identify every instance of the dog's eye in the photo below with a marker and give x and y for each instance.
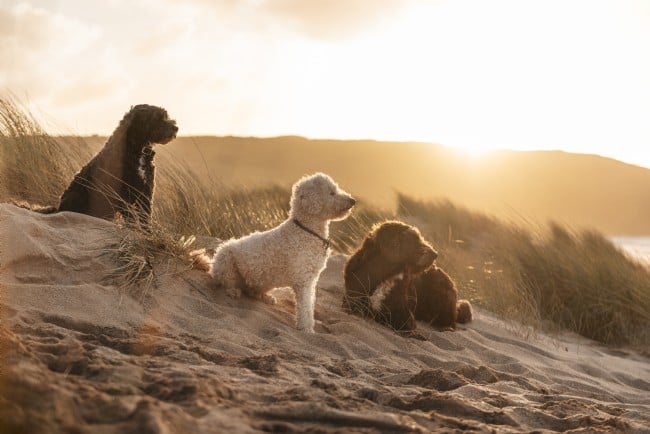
(332, 193)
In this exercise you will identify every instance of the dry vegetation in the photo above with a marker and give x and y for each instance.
(552, 277)
(33, 165)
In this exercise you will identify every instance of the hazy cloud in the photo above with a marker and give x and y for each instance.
(334, 19)
(25, 31)
(37, 48)
(81, 64)
(317, 19)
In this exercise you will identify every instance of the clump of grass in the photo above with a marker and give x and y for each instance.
(574, 280)
(581, 282)
(139, 250)
(35, 166)
(185, 203)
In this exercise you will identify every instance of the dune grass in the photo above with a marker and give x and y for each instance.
(35, 166)
(551, 277)
(139, 251)
(543, 276)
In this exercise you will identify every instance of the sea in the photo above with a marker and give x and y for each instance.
(637, 247)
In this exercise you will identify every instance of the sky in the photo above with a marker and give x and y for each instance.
(476, 75)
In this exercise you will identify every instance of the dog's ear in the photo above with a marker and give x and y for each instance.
(305, 198)
(369, 245)
(387, 239)
(136, 123)
(362, 254)
(310, 203)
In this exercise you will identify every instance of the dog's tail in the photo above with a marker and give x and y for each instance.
(202, 259)
(464, 311)
(34, 207)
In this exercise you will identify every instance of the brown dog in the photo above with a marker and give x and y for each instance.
(391, 278)
(379, 276)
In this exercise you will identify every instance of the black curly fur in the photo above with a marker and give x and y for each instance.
(120, 178)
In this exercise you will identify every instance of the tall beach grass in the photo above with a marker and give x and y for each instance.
(545, 276)
(35, 166)
(553, 277)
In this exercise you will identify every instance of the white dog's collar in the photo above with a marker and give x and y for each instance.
(325, 241)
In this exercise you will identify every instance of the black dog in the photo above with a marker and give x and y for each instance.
(120, 178)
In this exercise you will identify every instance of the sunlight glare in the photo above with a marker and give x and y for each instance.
(471, 152)
(464, 74)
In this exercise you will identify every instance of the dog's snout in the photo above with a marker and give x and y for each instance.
(427, 256)
(352, 201)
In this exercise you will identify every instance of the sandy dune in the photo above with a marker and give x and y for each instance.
(80, 355)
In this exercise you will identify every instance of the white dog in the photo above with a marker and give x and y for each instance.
(292, 254)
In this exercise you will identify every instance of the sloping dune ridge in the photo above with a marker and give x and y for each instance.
(79, 354)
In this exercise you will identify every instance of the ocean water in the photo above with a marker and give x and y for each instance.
(639, 247)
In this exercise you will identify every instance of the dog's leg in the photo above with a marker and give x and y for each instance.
(76, 197)
(305, 304)
(413, 334)
(224, 271)
(259, 295)
(400, 303)
(268, 298)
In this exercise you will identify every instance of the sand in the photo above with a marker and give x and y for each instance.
(79, 354)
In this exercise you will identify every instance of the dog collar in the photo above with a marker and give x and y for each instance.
(325, 241)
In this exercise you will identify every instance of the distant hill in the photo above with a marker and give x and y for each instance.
(580, 190)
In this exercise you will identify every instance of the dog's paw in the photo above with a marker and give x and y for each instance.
(413, 334)
(324, 328)
(305, 321)
(268, 299)
(233, 292)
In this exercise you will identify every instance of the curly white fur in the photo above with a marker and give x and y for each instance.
(287, 255)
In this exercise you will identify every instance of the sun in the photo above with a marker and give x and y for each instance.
(471, 151)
